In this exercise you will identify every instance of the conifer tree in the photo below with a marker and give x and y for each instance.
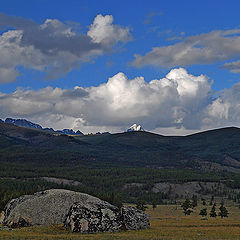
(223, 211)
(203, 201)
(186, 206)
(141, 205)
(194, 201)
(203, 212)
(154, 205)
(211, 201)
(213, 211)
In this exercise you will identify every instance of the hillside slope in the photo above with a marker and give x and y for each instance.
(216, 149)
(131, 164)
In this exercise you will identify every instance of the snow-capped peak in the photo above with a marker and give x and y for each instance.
(135, 128)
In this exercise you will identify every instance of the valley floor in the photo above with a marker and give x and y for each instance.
(167, 222)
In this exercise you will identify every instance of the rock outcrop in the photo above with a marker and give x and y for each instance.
(97, 218)
(134, 219)
(78, 211)
(90, 218)
(44, 208)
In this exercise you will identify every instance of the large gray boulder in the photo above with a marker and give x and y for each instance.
(44, 208)
(78, 211)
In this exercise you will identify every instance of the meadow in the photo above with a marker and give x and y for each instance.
(167, 222)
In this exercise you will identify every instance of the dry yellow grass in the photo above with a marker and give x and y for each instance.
(167, 222)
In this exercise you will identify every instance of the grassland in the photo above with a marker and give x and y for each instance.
(167, 222)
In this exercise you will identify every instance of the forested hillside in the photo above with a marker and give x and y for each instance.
(131, 149)
(118, 166)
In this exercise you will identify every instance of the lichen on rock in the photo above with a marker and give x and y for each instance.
(78, 211)
(90, 218)
(134, 219)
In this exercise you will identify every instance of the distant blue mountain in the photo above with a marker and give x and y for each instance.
(49, 129)
(26, 123)
(22, 123)
(69, 132)
(103, 133)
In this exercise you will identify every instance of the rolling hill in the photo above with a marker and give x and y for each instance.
(215, 149)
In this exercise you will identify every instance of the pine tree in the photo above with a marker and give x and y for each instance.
(154, 204)
(141, 205)
(203, 212)
(211, 201)
(223, 211)
(186, 206)
(213, 211)
(194, 201)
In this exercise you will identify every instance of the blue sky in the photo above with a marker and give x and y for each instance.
(199, 37)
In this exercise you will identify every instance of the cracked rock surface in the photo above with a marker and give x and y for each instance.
(102, 218)
(78, 211)
(43, 208)
(134, 219)
(90, 218)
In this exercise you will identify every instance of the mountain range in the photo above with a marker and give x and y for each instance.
(217, 150)
(28, 124)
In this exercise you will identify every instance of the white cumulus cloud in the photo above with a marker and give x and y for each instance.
(225, 110)
(103, 31)
(54, 47)
(180, 100)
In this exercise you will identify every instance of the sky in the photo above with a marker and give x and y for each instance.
(171, 66)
